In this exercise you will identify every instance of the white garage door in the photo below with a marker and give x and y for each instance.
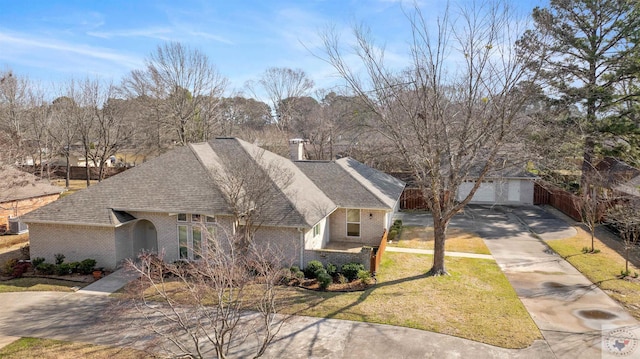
(485, 193)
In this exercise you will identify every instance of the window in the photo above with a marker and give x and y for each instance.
(183, 240)
(353, 223)
(316, 230)
(190, 243)
(210, 219)
(196, 235)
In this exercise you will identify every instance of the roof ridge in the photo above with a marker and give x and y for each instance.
(296, 177)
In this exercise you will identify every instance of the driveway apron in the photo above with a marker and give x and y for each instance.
(577, 319)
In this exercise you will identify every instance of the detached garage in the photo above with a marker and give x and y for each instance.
(503, 190)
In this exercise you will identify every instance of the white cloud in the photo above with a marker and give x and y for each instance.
(152, 32)
(22, 45)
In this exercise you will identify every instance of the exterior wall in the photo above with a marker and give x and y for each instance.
(75, 242)
(319, 241)
(124, 242)
(339, 257)
(526, 192)
(284, 242)
(371, 226)
(167, 231)
(23, 206)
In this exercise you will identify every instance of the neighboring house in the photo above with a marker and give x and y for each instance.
(21, 193)
(332, 211)
(619, 177)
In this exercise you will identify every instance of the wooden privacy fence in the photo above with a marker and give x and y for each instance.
(75, 173)
(376, 254)
(558, 198)
(412, 198)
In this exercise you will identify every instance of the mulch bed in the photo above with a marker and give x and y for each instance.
(354, 286)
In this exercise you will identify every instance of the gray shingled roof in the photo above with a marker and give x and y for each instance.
(173, 182)
(184, 181)
(350, 183)
(19, 185)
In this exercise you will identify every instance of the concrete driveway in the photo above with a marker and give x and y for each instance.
(577, 319)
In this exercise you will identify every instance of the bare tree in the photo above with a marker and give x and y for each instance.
(14, 101)
(625, 217)
(63, 130)
(223, 305)
(283, 87)
(592, 204)
(183, 90)
(452, 110)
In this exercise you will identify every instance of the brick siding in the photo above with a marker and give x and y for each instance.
(75, 242)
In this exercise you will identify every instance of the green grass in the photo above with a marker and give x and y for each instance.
(38, 285)
(602, 268)
(457, 240)
(46, 348)
(475, 302)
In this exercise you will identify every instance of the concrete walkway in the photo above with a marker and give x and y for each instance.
(110, 283)
(446, 253)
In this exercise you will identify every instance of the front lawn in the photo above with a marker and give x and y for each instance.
(602, 268)
(46, 348)
(475, 302)
(457, 240)
(35, 284)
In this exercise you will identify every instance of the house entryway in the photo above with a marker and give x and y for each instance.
(145, 237)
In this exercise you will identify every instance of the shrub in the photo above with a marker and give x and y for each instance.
(59, 258)
(87, 266)
(350, 270)
(341, 279)
(324, 279)
(296, 273)
(311, 268)
(392, 235)
(73, 267)
(331, 269)
(8, 266)
(20, 268)
(364, 276)
(46, 268)
(63, 269)
(36, 261)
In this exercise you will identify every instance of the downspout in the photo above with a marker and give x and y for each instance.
(301, 230)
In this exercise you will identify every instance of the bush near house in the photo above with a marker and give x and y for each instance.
(316, 275)
(395, 230)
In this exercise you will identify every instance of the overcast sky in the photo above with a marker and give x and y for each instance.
(51, 41)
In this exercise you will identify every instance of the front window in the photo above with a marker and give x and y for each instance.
(353, 223)
(183, 240)
(316, 230)
(190, 243)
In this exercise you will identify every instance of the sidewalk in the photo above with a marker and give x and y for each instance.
(446, 253)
